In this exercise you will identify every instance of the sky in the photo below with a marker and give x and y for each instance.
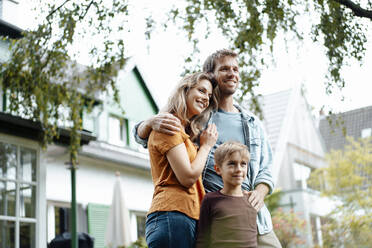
(162, 59)
(302, 63)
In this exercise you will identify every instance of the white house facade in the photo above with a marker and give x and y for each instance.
(298, 149)
(35, 185)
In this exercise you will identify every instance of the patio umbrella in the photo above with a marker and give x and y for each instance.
(118, 225)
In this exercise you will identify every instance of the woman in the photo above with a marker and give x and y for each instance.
(176, 165)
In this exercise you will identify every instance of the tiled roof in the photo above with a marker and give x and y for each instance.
(352, 122)
(274, 109)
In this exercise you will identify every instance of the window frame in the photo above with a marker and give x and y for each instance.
(366, 132)
(134, 223)
(39, 190)
(304, 185)
(124, 130)
(52, 205)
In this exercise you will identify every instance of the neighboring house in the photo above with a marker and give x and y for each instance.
(356, 123)
(298, 149)
(35, 187)
(114, 150)
(9, 11)
(22, 205)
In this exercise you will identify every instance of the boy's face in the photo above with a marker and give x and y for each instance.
(233, 169)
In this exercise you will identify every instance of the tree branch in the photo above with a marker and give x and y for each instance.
(86, 10)
(357, 10)
(55, 10)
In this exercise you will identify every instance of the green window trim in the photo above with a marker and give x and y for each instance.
(124, 128)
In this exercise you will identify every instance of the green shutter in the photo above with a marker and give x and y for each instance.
(97, 220)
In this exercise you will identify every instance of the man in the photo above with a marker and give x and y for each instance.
(233, 123)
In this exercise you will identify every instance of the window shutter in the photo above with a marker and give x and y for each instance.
(97, 220)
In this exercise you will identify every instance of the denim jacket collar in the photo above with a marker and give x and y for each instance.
(245, 114)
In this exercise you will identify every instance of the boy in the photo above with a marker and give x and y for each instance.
(227, 219)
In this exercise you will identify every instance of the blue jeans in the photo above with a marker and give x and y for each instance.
(170, 230)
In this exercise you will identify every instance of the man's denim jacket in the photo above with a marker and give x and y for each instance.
(260, 162)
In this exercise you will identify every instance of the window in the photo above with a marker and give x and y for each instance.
(2, 94)
(18, 185)
(59, 214)
(366, 132)
(316, 229)
(141, 222)
(90, 122)
(118, 131)
(62, 220)
(301, 174)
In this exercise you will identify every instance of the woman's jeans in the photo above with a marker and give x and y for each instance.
(170, 230)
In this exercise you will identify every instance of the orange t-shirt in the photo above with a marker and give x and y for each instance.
(169, 194)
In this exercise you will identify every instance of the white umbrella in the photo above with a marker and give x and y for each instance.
(118, 225)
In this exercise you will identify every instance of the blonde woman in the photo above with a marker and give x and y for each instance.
(176, 165)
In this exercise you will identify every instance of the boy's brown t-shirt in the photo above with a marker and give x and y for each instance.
(226, 221)
(169, 194)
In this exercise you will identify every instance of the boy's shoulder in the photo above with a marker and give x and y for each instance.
(213, 195)
(211, 198)
(217, 195)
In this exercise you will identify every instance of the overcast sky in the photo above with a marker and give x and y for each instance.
(163, 56)
(301, 63)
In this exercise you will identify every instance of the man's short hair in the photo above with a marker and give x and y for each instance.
(210, 63)
(224, 151)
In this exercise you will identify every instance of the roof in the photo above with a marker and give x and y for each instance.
(274, 107)
(73, 69)
(282, 112)
(7, 29)
(18, 126)
(132, 64)
(352, 122)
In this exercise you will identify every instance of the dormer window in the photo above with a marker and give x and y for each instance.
(118, 131)
(366, 132)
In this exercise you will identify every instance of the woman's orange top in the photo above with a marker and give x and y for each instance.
(169, 194)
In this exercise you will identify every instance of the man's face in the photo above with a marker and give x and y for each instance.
(227, 75)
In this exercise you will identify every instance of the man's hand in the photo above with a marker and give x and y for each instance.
(163, 122)
(257, 196)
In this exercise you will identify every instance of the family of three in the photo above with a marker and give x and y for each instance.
(203, 143)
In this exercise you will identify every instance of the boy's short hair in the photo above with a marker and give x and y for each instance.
(225, 150)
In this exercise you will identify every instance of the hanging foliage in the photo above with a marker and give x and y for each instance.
(42, 80)
(251, 26)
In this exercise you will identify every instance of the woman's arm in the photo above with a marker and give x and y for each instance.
(187, 173)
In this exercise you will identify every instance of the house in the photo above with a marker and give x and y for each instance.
(356, 123)
(21, 191)
(35, 187)
(114, 150)
(298, 149)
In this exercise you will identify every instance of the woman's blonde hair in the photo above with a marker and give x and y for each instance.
(177, 103)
